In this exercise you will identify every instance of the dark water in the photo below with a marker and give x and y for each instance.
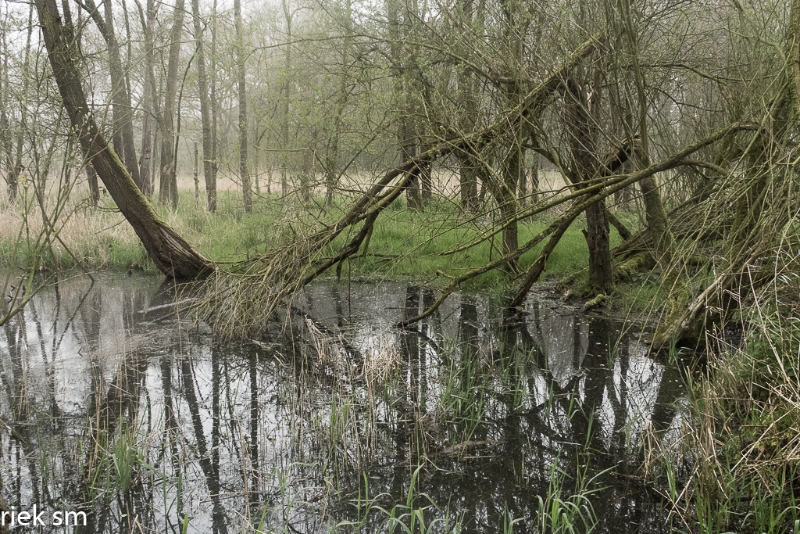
(114, 405)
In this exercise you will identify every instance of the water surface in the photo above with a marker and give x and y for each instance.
(118, 404)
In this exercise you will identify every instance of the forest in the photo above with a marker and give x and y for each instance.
(369, 220)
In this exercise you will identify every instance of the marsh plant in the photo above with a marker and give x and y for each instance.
(737, 465)
(332, 421)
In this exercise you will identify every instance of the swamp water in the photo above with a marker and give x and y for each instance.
(115, 406)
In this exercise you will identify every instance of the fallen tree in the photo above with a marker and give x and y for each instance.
(270, 278)
(242, 297)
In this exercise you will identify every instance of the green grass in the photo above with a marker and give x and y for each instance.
(403, 243)
(744, 432)
(412, 244)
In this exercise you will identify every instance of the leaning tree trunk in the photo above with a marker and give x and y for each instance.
(171, 254)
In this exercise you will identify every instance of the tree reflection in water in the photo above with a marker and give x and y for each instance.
(107, 382)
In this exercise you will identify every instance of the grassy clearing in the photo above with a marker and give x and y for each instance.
(403, 244)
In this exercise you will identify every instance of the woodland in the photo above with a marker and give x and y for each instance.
(688, 106)
(663, 134)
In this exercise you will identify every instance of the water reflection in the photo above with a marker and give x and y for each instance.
(119, 405)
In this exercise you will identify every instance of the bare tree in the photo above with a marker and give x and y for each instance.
(171, 254)
(149, 102)
(15, 168)
(168, 182)
(205, 111)
(120, 96)
(244, 174)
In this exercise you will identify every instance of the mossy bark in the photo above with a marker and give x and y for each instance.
(585, 162)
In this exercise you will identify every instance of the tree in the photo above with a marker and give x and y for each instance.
(14, 158)
(170, 253)
(168, 183)
(149, 101)
(120, 96)
(332, 165)
(209, 170)
(244, 174)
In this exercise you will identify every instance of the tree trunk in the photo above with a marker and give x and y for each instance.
(506, 197)
(413, 197)
(468, 182)
(244, 173)
(515, 22)
(205, 118)
(214, 103)
(120, 97)
(5, 131)
(94, 188)
(148, 102)
(196, 176)
(468, 109)
(16, 170)
(583, 147)
(332, 166)
(168, 193)
(306, 173)
(676, 292)
(170, 253)
(287, 90)
(534, 177)
(403, 98)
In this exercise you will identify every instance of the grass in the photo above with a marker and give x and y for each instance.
(403, 244)
(743, 444)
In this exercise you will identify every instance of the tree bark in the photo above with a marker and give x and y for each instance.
(244, 173)
(170, 253)
(205, 112)
(94, 188)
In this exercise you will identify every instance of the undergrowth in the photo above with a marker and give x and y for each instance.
(404, 243)
(743, 442)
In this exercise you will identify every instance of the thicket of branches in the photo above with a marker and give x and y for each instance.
(688, 107)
